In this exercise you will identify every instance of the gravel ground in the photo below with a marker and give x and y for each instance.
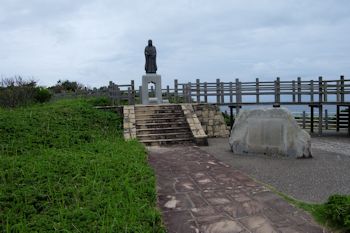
(311, 180)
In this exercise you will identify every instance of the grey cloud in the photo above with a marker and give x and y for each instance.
(97, 41)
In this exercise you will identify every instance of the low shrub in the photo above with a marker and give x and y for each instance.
(42, 95)
(17, 92)
(100, 101)
(227, 118)
(66, 86)
(337, 211)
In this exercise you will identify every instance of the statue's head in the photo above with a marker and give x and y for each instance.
(149, 42)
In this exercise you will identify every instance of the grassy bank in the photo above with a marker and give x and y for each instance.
(65, 167)
(334, 214)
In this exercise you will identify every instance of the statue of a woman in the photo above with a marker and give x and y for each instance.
(150, 54)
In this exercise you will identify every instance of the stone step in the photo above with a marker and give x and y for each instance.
(159, 111)
(161, 120)
(158, 106)
(159, 142)
(165, 135)
(163, 130)
(175, 106)
(159, 115)
(160, 125)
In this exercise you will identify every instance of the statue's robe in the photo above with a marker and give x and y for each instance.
(151, 64)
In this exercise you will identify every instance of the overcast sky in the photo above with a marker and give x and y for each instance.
(96, 41)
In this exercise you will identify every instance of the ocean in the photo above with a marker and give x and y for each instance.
(296, 110)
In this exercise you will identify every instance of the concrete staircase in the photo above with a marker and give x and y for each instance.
(162, 125)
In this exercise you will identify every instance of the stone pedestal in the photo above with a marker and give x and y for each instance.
(157, 81)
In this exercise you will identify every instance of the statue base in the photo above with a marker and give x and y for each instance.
(157, 81)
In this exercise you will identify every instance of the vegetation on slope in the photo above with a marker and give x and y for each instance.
(65, 167)
(333, 214)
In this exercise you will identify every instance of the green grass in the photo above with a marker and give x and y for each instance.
(318, 211)
(65, 167)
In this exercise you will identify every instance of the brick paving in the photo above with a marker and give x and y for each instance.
(200, 194)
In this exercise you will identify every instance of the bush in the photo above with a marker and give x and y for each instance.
(43, 95)
(100, 101)
(337, 211)
(17, 92)
(67, 86)
(227, 118)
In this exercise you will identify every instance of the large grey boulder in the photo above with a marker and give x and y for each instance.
(270, 131)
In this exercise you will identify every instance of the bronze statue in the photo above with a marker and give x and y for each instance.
(150, 54)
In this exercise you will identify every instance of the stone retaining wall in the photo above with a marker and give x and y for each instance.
(211, 120)
(129, 122)
(198, 133)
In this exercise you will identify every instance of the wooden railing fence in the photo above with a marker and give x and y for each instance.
(244, 93)
(279, 92)
(313, 93)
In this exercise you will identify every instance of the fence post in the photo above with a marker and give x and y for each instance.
(140, 94)
(348, 121)
(231, 93)
(133, 91)
(293, 91)
(231, 117)
(222, 92)
(299, 90)
(277, 88)
(326, 118)
(189, 88)
(132, 84)
(342, 88)
(304, 119)
(198, 91)
(118, 94)
(238, 91)
(325, 97)
(320, 89)
(338, 118)
(338, 91)
(320, 119)
(312, 119)
(168, 92)
(257, 90)
(129, 96)
(175, 90)
(184, 92)
(311, 91)
(205, 92)
(111, 95)
(218, 91)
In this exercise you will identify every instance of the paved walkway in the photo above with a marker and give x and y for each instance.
(338, 145)
(310, 180)
(198, 193)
